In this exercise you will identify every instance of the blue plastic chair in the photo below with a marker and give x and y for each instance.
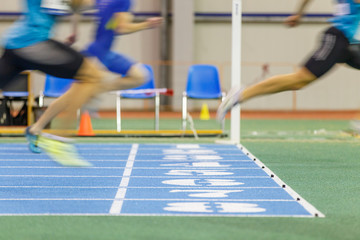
(15, 94)
(54, 87)
(203, 83)
(150, 84)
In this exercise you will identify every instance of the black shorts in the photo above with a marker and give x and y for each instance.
(50, 57)
(334, 48)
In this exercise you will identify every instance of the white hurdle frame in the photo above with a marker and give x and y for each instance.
(236, 67)
(157, 92)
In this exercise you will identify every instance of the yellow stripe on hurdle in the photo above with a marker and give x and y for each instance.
(21, 130)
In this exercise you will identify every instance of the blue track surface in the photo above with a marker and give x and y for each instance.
(144, 179)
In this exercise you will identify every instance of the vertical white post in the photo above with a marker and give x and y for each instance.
(236, 67)
(183, 23)
(118, 112)
(157, 111)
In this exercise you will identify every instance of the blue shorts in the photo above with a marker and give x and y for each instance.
(117, 63)
(114, 62)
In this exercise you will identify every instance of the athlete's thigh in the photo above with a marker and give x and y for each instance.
(354, 59)
(333, 49)
(50, 57)
(8, 69)
(118, 63)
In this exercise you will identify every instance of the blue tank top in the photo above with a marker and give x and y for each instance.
(35, 26)
(105, 33)
(347, 19)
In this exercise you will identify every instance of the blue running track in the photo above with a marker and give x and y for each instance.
(146, 179)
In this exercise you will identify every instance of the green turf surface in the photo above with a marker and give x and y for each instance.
(314, 157)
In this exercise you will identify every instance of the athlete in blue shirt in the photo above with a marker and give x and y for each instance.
(28, 47)
(338, 45)
(114, 19)
(33, 28)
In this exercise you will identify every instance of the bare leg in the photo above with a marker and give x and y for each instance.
(136, 76)
(80, 92)
(279, 83)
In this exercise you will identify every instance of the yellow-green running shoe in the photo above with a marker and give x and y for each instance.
(61, 150)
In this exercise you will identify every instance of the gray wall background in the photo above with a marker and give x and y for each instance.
(210, 42)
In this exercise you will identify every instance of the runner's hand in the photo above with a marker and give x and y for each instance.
(70, 40)
(154, 22)
(292, 21)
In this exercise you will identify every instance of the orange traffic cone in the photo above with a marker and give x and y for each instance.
(85, 128)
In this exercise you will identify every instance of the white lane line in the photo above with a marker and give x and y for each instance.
(156, 215)
(92, 176)
(120, 195)
(126, 146)
(119, 160)
(149, 200)
(99, 153)
(142, 187)
(137, 168)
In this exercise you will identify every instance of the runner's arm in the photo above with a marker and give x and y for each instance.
(75, 19)
(293, 20)
(77, 6)
(124, 23)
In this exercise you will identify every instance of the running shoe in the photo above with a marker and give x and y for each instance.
(33, 141)
(231, 100)
(62, 150)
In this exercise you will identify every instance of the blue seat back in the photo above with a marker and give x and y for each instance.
(203, 82)
(55, 87)
(150, 84)
(15, 94)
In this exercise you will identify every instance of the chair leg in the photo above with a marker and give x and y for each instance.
(157, 111)
(184, 111)
(223, 125)
(118, 113)
(223, 95)
(78, 113)
(41, 99)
